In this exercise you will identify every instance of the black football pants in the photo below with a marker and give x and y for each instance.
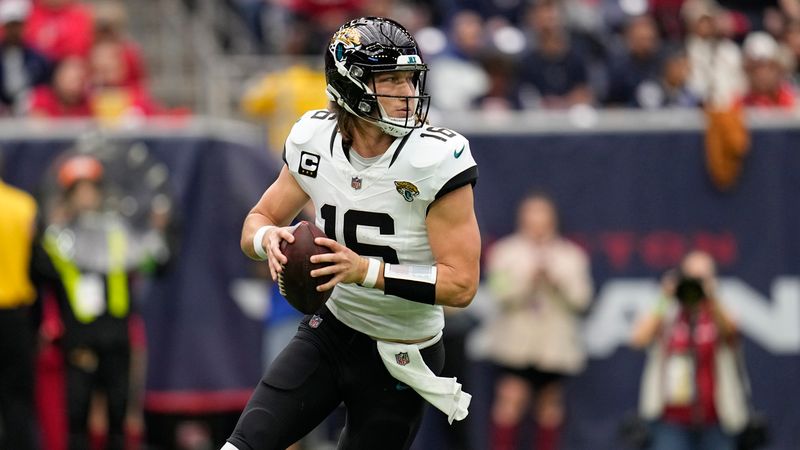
(16, 380)
(320, 368)
(104, 368)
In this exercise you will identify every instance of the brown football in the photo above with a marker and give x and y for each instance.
(295, 282)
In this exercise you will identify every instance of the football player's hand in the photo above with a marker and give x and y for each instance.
(346, 265)
(272, 243)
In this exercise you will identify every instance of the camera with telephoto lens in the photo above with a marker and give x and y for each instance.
(689, 290)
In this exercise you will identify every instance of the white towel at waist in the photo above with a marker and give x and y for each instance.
(405, 363)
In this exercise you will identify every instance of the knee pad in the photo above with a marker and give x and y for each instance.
(293, 366)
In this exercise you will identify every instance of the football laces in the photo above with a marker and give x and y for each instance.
(281, 283)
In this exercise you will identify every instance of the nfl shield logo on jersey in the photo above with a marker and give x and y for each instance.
(402, 358)
(355, 183)
(315, 321)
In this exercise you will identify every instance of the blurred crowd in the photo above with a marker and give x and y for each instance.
(71, 59)
(554, 54)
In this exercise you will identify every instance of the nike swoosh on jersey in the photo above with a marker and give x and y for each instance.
(458, 153)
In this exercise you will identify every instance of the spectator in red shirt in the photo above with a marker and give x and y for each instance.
(59, 28)
(325, 15)
(112, 98)
(319, 9)
(767, 73)
(67, 96)
(691, 359)
(110, 24)
(667, 14)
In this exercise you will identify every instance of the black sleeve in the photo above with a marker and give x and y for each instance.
(44, 276)
(42, 270)
(468, 176)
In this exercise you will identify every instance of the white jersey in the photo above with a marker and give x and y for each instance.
(379, 212)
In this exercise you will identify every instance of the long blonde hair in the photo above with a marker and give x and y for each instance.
(346, 122)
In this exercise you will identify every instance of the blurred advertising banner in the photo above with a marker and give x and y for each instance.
(637, 201)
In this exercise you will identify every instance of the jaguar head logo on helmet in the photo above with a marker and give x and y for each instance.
(370, 51)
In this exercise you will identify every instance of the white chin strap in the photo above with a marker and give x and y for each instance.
(396, 127)
(391, 129)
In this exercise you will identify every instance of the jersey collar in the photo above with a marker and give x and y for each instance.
(394, 149)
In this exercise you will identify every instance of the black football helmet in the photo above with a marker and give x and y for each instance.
(366, 46)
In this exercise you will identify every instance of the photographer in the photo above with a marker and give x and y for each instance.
(691, 390)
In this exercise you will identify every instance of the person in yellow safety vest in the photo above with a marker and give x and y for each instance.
(94, 252)
(17, 294)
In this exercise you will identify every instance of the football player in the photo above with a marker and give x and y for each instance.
(394, 197)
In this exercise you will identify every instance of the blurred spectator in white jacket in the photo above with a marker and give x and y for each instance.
(717, 75)
(542, 284)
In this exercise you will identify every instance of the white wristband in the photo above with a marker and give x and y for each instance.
(373, 270)
(258, 238)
